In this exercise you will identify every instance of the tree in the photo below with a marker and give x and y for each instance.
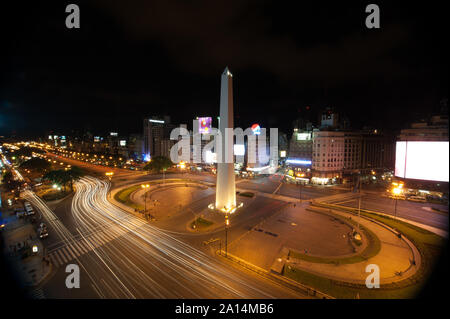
(63, 177)
(11, 183)
(158, 164)
(36, 164)
(59, 176)
(75, 173)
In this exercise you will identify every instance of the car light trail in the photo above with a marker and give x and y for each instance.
(149, 261)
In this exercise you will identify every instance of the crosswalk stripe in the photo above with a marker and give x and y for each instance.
(93, 241)
(109, 236)
(81, 248)
(53, 259)
(68, 253)
(37, 294)
(63, 256)
(103, 237)
(71, 251)
(98, 239)
(76, 249)
(84, 246)
(58, 258)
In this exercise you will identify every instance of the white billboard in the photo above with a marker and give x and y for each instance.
(422, 160)
(239, 149)
(303, 136)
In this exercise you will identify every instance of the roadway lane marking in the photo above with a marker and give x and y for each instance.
(277, 188)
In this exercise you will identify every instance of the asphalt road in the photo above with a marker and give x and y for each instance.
(418, 212)
(272, 184)
(125, 257)
(140, 260)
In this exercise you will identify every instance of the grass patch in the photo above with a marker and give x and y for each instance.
(200, 223)
(373, 248)
(247, 194)
(344, 290)
(123, 196)
(50, 194)
(429, 245)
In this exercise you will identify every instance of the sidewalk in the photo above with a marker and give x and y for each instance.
(20, 240)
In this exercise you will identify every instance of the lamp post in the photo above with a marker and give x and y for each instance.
(396, 191)
(359, 201)
(145, 186)
(227, 223)
(300, 186)
(110, 176)
(164, 176)
(395, 207)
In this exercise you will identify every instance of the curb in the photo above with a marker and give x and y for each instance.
(280, 279)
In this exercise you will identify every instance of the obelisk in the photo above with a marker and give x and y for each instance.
(225, 186)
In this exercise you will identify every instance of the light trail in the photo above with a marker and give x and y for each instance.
(147, 262)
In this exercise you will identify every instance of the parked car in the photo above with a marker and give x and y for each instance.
(29, 210)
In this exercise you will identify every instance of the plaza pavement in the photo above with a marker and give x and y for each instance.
(394, 258)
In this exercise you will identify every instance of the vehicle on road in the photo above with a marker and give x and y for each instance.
(417, 199)
(401, 196)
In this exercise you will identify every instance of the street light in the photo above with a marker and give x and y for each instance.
(144, 186)
(110, 176)
(396, 191)
(227, 223)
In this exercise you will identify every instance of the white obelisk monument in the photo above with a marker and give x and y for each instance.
(225, 186)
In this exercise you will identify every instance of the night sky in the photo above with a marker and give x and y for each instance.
(132, 59)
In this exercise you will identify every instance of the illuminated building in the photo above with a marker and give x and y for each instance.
(156, 136)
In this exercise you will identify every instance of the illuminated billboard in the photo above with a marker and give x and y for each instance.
(239, 149)
(210, 157)
(303, 136)
(204, 125)
(123, 143)
(256, 129)
(422, 160)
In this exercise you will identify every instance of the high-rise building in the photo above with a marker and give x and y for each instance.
(156, 129)
(339, 155)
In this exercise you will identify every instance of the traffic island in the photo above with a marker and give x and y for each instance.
(201, 224)
(399, 279)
